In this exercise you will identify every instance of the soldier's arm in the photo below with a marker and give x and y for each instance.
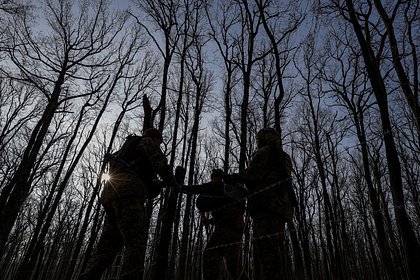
(159, 162)
(257, 168)
(288, 163)
(197, 189)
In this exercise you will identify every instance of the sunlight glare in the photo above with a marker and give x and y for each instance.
(105, 177)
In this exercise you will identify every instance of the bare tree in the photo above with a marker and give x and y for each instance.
(372, 62)
(79, 46)
(320, 124)
(71, 90)
(279, 31)
(349, 84)
(410, 88)
(192, 29)
(221, 25)
(164, 14)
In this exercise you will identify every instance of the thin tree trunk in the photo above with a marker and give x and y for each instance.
(410, 242)
(18, 188)
(410, 96)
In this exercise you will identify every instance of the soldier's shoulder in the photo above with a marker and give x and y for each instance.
(147, 145)
(146, 142)
(262, 151)
(261, 155)
(286, 156)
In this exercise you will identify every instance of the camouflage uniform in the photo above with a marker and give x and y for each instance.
(225, 241)
(123, 198)
(269, 203)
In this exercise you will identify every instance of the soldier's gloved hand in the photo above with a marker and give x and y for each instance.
(206, 221)
(171, 183)
(174, 186)
(179, 174)
(178, 178)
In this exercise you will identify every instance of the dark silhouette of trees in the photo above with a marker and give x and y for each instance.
(338, 79)
(372, 62)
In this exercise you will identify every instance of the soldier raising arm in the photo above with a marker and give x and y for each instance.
(132, 170)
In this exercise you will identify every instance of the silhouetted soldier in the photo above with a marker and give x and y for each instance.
(268, 179)
(228, 220)
(132, 170)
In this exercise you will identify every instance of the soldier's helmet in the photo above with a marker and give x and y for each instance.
(268, 135)
(217, 173)
(154, 133)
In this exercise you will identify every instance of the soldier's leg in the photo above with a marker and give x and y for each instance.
(268, 240)
(234, 262)
(212, 256)
(110, 243)
(131, 223)
(232, 254)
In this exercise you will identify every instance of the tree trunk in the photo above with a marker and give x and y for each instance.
(410, 243)
(19, 186)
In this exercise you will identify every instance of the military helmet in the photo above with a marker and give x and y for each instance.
(268, 135)
(217, 173)
(154, 133)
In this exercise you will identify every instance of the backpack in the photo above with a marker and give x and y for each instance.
(127, 151)
(284, 163)
(127, 159)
